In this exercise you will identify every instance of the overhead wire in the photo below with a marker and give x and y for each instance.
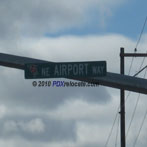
(135, 50)
(142, 123)
(133, 114)
(135, 142)
(115, 118)
(111, 130)
(117, 131)
(141, 32)
(131, 65)
(140, 71)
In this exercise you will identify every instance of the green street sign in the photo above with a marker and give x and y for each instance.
(65, 70)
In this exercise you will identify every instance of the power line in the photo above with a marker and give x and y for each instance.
(117, 131)
(140, 129)
(111, 130)
(140, 71)
(141, 123)
(134, 144)
(142, 63)
(118, 112)
(128, 74)
(131, 65)
(114, 122)
(135, 50)
(141, 33)
(136, 101)
(133, 115)
(136, 74)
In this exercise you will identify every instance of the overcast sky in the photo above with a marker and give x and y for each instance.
(63, 31)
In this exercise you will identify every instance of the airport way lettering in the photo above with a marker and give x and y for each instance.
(68, 69)
(98, 70)
(65, 69)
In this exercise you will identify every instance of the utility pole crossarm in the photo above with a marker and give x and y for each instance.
(111, 79)
(134, 54)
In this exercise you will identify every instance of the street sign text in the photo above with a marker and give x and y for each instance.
(65, 70)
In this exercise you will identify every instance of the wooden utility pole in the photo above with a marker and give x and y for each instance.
(122, 101)
(122, 93)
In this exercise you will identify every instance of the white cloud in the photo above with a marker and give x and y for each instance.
(73, 48)
(10, 126)
(37, 17)
(33, 126)
(63, 121)
(79, 115)
(3, 110)
(80, 110)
